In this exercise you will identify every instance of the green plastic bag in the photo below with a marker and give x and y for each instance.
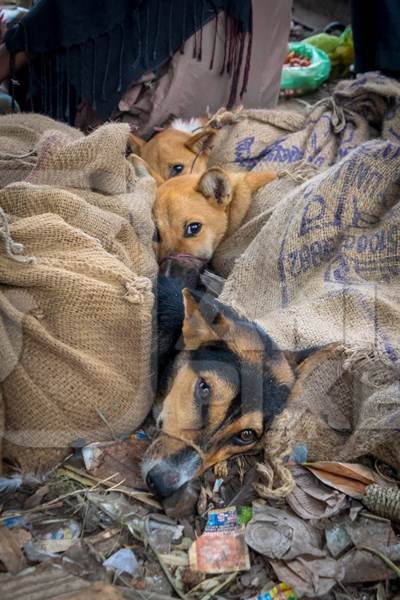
(306, 79)
(340, 50)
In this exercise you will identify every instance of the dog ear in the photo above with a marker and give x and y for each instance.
(135, 144)
(196, 331)
(143, 169)
(216, 185)
(201, 142)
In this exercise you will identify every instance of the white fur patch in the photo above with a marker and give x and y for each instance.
(187, 126)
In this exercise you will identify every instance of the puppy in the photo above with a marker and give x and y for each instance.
(193, 213)
(181, 148)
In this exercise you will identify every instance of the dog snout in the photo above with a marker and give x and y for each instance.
(166, 467)
(163, 482)
(183, 267)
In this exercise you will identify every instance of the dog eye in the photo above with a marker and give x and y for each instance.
(176, 170)
(192, 229)
(203, 390)
(247, 436)
(156, 236)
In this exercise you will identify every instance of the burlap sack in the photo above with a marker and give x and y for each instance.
(345, 407)
(298, 146)
(19, 134)
(324, 267)
(76, 305)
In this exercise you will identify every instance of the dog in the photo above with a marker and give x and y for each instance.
(224, 384)
(193, 213)
(180, 149)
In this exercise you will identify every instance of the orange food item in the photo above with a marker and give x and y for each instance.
(296, 60)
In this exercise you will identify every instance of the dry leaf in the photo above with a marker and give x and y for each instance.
(36, 498)
(120, 459)
(307, 576)
(311, 499)
(349, 478)
(362, 567)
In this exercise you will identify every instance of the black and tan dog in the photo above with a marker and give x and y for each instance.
(220, 392)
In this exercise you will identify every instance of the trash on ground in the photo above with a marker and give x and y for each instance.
(338, 540)
(377, 534)
(309, 576)
(278, 592)
(222, 547)
(123, 561)
(57, 539)
(276, 534)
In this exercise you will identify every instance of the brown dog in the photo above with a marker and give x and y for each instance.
(194, 214)
(180, 149)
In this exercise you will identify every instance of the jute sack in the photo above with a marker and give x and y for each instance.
(19, 134)
(76, 303)
(325, 269)
(298, 147)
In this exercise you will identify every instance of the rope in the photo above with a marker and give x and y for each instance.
(272, 472)
(278, 479)
(190, 443)
(6, 156)
(13, 249)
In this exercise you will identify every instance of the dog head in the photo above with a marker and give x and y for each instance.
(180, 149)
(193, 214)
(220, 394)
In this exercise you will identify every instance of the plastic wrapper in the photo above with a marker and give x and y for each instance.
(221, 548)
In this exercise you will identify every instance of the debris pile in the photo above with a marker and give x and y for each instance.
(92, 529)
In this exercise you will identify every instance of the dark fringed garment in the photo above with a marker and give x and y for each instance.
(93, 50)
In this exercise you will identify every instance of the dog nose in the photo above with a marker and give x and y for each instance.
(162, 483)
(185, 268)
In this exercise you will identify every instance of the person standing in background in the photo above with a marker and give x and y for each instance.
(376, 32)
(145, 61)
